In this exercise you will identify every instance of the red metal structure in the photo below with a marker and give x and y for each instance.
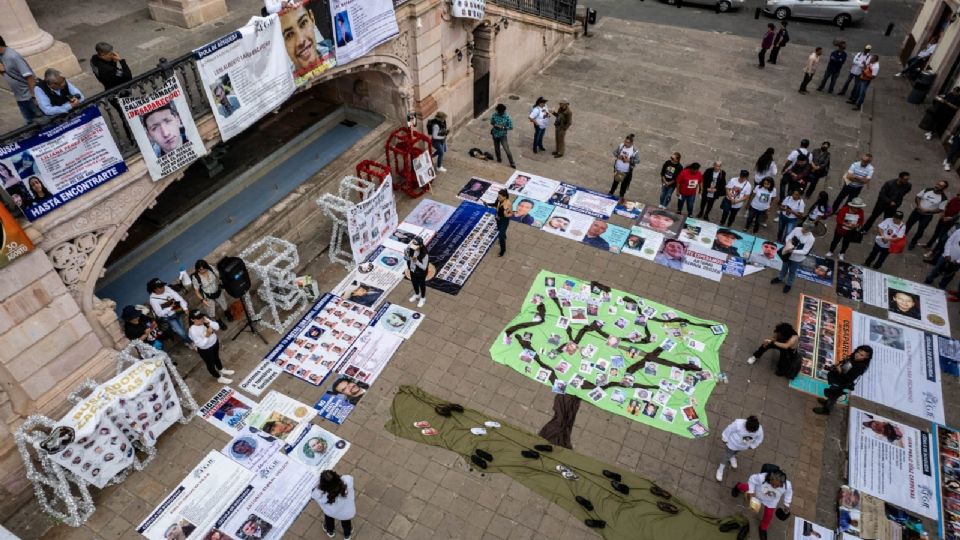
(372, 171)
(403, 146)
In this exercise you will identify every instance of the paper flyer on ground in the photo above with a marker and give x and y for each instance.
(568, 224)
(643, 243)
(429, 214)
(585, 201)
(388, 259)
(318, 449)
(892, 461)
(480, 191)
(280, 416)
(252, 448)
(371, 220)
(903, 373)
(627, 355)
(531, 211)
(825, 333)
(917, 305)
(531, 185)
(260, 378)
(227, 410)
(808, 530)
(460, 245)
(163, 126)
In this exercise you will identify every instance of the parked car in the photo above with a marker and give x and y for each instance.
(722, 5)
(841, 12)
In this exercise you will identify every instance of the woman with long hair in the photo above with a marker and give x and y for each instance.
(37, 190)
(763, 196)
(842, 378)
(785, 339)
(209, 290)
(766, 166)
(335, 495)
(8, 177)
(417, 264)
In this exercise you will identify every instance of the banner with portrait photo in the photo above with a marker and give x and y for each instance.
(429, 214)
(371, 220)
(246, 74)
(388, 259)
(568, 224)
(404, 233)
(604, 236)
(359, 27)
(60, 163)
(903, 374)
(468, 9)
(766, 253)
(698, 231)
(164, 129)
(398, 320)
(368, 284)
(662, 221)
(808, 530)
(892, 461)
(423, 169)
(14, 242)
(817, 269)
(227, 410)
(917, 305)
(460, 245)
(480, 191)
(629, 209)
(948, 454)
(643, 243)
(302, 24)
(532, 186)
(318, 449)
(198, 500)
(280, 416)
(826, 334)
(585, 201)
(691, 258)
(531, 211)
(252, 448)
(624, 354)
(861, 284)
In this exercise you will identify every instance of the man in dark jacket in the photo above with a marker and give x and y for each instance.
(108, 67)
(779, 42)
(890, 198)
(138, 326)
(837, 58)
(842, 378)
(563, 121)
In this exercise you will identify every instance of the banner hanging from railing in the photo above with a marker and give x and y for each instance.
(164, 129)
(358, 27)
(309, 51)
(468, 9)
(246, 74)
(45, 171)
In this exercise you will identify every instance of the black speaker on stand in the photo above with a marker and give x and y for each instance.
(236, 281)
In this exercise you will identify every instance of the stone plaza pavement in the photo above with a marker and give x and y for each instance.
(692, 91)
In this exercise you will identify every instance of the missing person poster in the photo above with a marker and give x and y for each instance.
(318, 449)
(604, 236)
(398, 320)
(227, 410)
(948, 446)
(892, 461)
(808, 530)
(302, 24)
(280, 416)
(643, 243)
(246, 74)
(585, 201)
(252, 448)
(817, 269)
(480, 191)
(662, 221)
(164, 129)
(368, 285)
(14, 242)
(531, 211)
(60, 163)
(861, 283)
(358, 27)
(826, 332)
(429, 214)
(371, 220)
(947, 351)
(532, 186)
(423, 169)
(917, 305)
(569, 224)
(260, 378)
(468, 9)
(904, 373)
(460, 245)
(766, 254)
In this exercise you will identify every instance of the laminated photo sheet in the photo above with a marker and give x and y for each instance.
(531, 185)
(252, 448)
(317, 448)
(280, 416)
(227, 410)
(914, 304)
(643, 243)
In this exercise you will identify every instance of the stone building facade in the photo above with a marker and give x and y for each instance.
(55, 332)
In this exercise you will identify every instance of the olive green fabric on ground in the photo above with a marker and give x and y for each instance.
(634, 516)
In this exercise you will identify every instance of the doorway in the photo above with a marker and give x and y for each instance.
(481, 60)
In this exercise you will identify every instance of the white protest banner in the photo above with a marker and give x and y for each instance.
(227, 410)
(643, 243)
(531, 185)
(358, 27)
(480, 191)
(903, 374)
(164, 129)
(468, 9)
(309, 52)
(260, 378)
(199, 499)
(318, 449)
(568, 224)
(246, 74)
(280, 416)
(696, 259)
(368, 284)
(423, 168)
(252, 448)
(698, 232)
(60, 163)
(917, 305)
(892, 461)
(398, 320)
(585, 201)
(404, 233)
(371, 220)
(429, 214)
(808, 530)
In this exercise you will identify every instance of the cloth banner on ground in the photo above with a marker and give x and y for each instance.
(14, 242)
(662, 221)
(825, 335)
(227, 410)
(643, 243)
(260, 378)
(699, 232)
(371, 220)
(252, 448)
(603, 235)
(163, 127)
(531, 185)
(429, 214)
(691, 258)
(398, 320)
(917, 305)
(904, 373)
(808, 530)
(585, 201)
(569, 224)
(280, 416)
(948, 353)
(766, 253)
(358, 27)
(892, 461)
(137, 405)
(312, 348)
(624, 354)
(531, 211)
(368, 284)
(817, 269)
(355, 372)
(468, 9)
(246, 74)
(460, 245)
(60, 163)
(480, 191)
(948, 452)
(404, 233)
(318, 449)
(560, 476)
(302, 24)
(388, 259)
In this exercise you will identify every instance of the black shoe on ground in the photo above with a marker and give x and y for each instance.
(734, 492)
(821, 410)
(821, 401)
(774, 281)
(786, 289)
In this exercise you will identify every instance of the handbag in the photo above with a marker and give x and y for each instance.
(619, 176)
(897, 245)
(819, 229)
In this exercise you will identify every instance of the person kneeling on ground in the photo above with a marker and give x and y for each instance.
(784, 339)
(842, 378)
(742, 434)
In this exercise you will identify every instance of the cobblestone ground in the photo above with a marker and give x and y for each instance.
(696, 92)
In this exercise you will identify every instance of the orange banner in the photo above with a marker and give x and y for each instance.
(13, 241)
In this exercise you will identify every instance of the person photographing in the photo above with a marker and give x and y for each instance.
(504, 212)
(417, 263)
(843, 376)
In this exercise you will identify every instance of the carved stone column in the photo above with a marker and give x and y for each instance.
(187, 13)
(21, 32)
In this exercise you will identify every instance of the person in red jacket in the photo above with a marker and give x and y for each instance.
(688, 184)
(850, 219)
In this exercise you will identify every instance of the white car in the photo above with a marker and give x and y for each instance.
(721, 5)
(841, 12)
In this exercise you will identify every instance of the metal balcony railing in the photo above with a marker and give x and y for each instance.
(563, 11)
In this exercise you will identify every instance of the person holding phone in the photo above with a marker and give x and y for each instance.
(417, 264)
(203, 332)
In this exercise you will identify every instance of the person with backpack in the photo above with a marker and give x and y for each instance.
(785, 340)
(209, 290)
(742, 434)
(779, 42)
(437, 129)
(769, 487)
(843, 376)
(626, 157)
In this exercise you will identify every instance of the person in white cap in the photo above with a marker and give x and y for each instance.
(856, 68)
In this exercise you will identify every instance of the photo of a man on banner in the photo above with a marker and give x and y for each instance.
(310, 54)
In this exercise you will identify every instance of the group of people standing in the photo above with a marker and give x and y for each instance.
(540, 117)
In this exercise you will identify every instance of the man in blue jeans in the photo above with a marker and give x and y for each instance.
(795, 248)
(20, 78)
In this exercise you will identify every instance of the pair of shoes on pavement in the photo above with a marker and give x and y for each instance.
(331, 534)
(733, 465)
(786, 288)
(420, 300)
(225, 380)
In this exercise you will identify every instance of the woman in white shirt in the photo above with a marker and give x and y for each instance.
(791, 210)
(763, 196)
(766, 166)
(769, 489)
(738, 193)
(203, 332)
(335, 495)
(888, 230)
